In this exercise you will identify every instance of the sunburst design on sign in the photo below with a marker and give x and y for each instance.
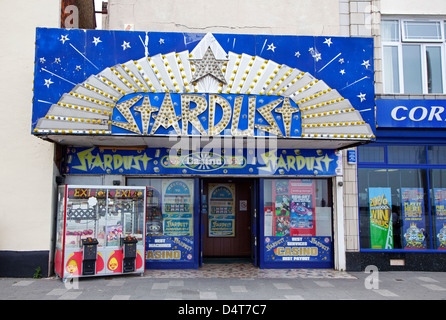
(89, 107)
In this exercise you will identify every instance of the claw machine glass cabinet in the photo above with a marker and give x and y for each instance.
(100, 231)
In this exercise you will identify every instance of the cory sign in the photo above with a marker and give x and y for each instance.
(411, 113)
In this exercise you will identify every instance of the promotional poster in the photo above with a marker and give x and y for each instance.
(294, 208)
(440, 217)
(177, 207)
(222, 210)
(414, 224)
(381, 230)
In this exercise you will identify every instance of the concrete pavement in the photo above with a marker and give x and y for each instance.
(354, 286)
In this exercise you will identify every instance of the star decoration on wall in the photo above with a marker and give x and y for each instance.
(366, 64)
(315, 54)
(96, 40)
(328, 41)
(125, 45)
(64, 38)
(48, 82)
(271, 47)
(208, 65)
(361, 96)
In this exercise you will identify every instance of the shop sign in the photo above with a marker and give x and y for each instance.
(285, 249)
(114, 83)
(410, 113)
(172, 249)
(264, 162)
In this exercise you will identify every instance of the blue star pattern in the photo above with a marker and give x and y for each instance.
(67, 58)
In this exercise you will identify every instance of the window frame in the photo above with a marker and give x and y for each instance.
(424, 44)
(428, 167)
(404, 37)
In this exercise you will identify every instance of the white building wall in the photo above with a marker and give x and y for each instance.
(287, 17)
(413, 7)
(26, 162)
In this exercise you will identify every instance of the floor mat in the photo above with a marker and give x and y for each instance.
(246, 270)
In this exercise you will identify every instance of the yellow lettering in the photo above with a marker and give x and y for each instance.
(97, 162)
(117, 161)
(85, 158)
(108, 162)
(281, 163)
(300, 162)
(296, 251)
(163, 254)
(291, 161)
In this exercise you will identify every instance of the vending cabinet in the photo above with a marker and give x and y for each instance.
(100, 231)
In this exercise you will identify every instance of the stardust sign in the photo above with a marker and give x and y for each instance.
(209, 161)
(411, 113)
(208, 115)
(115, 83)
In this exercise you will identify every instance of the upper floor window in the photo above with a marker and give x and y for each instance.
(413, 56)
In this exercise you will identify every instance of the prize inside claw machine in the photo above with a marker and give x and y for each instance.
(100, 231)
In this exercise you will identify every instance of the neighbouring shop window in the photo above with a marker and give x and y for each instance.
(406, 154)
(375, 155)
(402, 202)
(437, 154)
(413, 56)
(437, 179)
(393, 208)
(297, 220)
(169, 218)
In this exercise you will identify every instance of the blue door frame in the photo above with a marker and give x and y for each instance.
(194, 262)
(254, 221)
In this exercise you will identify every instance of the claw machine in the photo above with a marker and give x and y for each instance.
(100, 231)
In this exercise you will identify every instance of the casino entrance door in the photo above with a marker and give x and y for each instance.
(228, 219)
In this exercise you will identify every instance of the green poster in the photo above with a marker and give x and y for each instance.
(381, 231)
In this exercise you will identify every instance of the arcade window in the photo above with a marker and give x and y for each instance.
(413, 56)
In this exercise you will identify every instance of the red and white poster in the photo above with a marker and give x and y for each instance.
(294, 204)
